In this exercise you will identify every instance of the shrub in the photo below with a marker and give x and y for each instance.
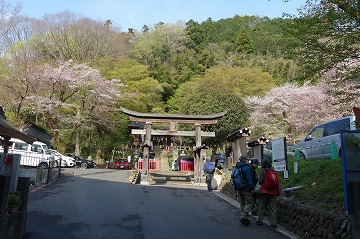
(14, 200)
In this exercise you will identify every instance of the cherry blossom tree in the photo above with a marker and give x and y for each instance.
(345, 89)
(66, 99)
(291, 110)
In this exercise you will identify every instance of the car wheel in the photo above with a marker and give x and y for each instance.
(302, 156)
(84, 165)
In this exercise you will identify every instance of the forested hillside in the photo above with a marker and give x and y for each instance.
(279, 77)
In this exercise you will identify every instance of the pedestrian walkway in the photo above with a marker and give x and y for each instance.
(184, 179)
(266, 222)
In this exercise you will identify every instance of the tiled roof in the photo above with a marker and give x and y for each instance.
(7, 130)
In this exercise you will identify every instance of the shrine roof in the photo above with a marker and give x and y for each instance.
(162, 118)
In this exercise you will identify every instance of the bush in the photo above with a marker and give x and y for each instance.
(322, 182)
(14, 200)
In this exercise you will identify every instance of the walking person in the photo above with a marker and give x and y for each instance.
(255, 195)
(269, 190)
(209, 169)
(243, 184)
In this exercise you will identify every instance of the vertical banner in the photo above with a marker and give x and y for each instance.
(279, 154)
(350, 150)
(9, 166)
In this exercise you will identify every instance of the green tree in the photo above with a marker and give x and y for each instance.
(244, 81)
(244, 43)
(140, 92)
(156, 46)
(209, 96)
(329, 33)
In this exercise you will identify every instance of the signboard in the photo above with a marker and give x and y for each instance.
(350, 149)
(278, 150)
(9, 166)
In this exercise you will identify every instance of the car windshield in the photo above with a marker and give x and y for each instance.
(186, 158)
(46, 149)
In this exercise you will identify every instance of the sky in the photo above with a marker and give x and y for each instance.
(137, 13)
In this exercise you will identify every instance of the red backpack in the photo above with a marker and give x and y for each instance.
(271, 182)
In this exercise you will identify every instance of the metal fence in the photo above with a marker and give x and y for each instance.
(41, 174)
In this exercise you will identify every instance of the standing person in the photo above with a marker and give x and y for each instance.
(216, 161)
(209, 169)
(253, 166)
(269, 190)
(243, 184)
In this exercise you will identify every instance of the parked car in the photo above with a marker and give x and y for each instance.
(122, 164)
(66, 161)
(221, 159)
(151, 156)
(33, 155)
(77, 159)
(318, 142)
(80, 162)
(87, 164)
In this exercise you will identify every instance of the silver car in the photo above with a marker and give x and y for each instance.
(318, 142)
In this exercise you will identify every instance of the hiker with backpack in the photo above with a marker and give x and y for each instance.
(209, 169)
(243, 184)
(270, 189)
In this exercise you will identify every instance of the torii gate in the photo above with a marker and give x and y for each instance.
(173, 120)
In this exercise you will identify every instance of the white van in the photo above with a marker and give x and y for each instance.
(317, 144)
(36, 154)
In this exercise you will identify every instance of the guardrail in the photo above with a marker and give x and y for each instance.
(41, 174)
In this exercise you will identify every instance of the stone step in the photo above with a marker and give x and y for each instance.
(170, 178)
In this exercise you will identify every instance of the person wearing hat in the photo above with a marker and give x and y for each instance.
(268, 200)
(254, 163)
(245, 194)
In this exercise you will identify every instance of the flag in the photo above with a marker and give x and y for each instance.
(334, 151)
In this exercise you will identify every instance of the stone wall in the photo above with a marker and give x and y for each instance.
(309, 222)
(13, 226)
(305, 221)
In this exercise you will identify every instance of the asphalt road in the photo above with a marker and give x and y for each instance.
(102, 204)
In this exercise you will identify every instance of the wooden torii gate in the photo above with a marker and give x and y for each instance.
(173, 120)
